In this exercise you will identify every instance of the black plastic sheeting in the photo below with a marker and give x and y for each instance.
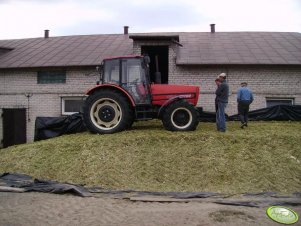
(29, 184)
(48, 127)
(207, 116)
(275, 113)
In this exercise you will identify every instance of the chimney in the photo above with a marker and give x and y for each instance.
(46, 34)
(212, 28)
(126, 30)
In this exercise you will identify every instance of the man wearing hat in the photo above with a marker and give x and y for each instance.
(244, 99)
(222, 95)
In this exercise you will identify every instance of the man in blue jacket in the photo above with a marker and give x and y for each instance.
(222, 95)
(244, 99)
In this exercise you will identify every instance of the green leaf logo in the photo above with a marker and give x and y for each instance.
(282, 214)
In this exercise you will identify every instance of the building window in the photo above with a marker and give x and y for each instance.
(270, 102)
(51, 77)
(71, 105)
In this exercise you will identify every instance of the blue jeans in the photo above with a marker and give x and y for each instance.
(220, 116)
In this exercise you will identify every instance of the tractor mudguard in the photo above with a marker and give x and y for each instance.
(176, 98)
(115, 87)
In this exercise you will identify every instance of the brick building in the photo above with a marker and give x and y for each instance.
(48, 76)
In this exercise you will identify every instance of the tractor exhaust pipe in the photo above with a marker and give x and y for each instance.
(157, 73)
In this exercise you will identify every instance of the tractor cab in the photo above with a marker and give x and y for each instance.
(130, 73)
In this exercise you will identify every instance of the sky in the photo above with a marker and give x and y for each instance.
(29, 18)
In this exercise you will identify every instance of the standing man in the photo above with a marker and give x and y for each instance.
(244, 99)
(217, 83)
(222, 95)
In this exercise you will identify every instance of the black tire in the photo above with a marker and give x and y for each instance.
(180, 116)
(107, 111)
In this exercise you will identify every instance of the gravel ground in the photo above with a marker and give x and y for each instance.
(35, 209)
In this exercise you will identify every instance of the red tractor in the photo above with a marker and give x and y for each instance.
(125, 94)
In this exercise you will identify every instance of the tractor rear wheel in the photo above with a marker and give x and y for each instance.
(107, 111)
(180, 116)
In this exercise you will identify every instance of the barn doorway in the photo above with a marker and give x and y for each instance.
(158, 61)
(14, 126)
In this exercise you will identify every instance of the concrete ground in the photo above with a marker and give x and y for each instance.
(35, 209)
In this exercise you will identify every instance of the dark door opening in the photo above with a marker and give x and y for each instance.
(161, 53)
(14, 127)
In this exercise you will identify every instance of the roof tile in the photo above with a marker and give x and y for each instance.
(243, 47)
(198, 48)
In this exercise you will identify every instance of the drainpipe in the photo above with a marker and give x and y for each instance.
(28, 95)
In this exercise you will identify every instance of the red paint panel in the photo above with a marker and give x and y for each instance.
(161, 93)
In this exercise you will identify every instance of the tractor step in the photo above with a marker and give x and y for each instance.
(144, 119)
(144, 112)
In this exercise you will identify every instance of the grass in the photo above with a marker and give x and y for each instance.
(266, 156)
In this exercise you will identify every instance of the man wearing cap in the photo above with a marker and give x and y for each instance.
(222, 95)
(244, 99)
(217, 83)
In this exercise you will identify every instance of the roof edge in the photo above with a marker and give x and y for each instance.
(146, 37)
(235, 64)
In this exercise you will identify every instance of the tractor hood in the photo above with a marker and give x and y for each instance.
(164, 93)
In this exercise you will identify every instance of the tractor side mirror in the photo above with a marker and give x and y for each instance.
(99, 69)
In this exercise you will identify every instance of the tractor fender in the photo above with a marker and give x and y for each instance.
(172, 100)
(112, 86)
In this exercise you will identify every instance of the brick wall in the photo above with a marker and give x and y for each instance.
(46, 99)
(276, 82)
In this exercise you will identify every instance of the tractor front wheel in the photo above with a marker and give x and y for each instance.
(180, 116)
(107, 111)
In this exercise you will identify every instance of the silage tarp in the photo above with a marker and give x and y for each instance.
(29, 184)
(48, 127)
(274, 113)
(207, 116)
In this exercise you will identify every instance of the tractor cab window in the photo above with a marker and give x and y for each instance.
(111, 72)
(132, 71)
(134, 79)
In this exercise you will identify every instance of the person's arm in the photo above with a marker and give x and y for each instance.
(251, 97)
(219, 90)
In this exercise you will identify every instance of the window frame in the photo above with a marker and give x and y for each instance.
(63, 104)
(51, 74)
(291, 99)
